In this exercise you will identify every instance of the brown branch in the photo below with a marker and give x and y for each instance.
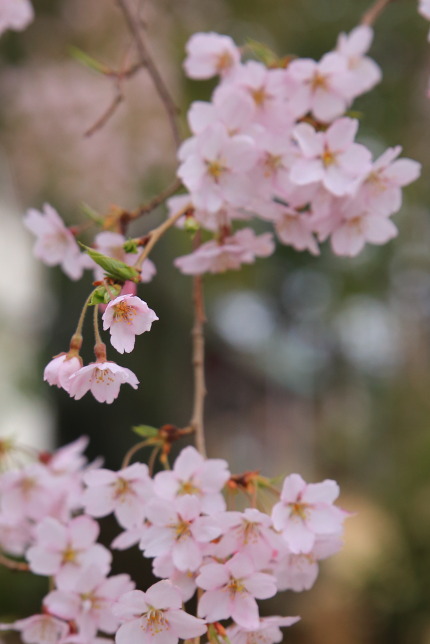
(197, 419)
(373, 13)
(13, 565)
(133, 24)
(155, 201)
(126, 73)
(104, 118)
(154, 235)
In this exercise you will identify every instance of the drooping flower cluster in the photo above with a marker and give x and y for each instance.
(275, 143)
(179, 518)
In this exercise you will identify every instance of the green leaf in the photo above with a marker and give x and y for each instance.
(146, 431)
(113, 268)
(130, 246)
(87, 60)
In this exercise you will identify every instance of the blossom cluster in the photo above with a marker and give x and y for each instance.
(178, 518)
(275, 142)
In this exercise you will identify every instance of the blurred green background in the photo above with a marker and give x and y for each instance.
(314, 365)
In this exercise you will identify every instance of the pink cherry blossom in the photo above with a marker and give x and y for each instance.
(306, 511)
(155, 617)
(214, 166)
(58, 371)
(363, 73)
(319, 87)
(127, 316)
(177, 528)
(103, 379)
(126, 493)
(64, 549)
(268, 631)
(26, 493)
(249, 532)
(55, 244)
(164, 568)
(209, 54)
(359, 225)
(193, 474)
(330, 157)
(15, 14)
(40, 629)
(88, 598)
(241, 248)
(231, 589)
(381, 188)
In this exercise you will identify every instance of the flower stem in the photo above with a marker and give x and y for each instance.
(154, 235)
(132, 451)
(373, 13)
(13, 565)
(97, 336)
(83, 313)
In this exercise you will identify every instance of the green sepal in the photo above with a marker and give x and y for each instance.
(146, 431)
(130, 246)
(113, 268)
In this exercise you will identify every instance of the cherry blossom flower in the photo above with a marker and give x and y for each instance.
(63, 549)
(363, 72)
(87, 599)
(59, 369)
(330, 157)
(177, 528)
(26, 493)
(381, 188)
(306, 511)
(15, 14)
(249, 532)
(155, 616)
(164, 568)
(103, 379)
(361, 224)
(214, 167)
(268, 631)
(319, 87)
(193, 474)
(299, 572)
(231, 589)
(126, 493)
(40, 629)
(127, 316)
(55, 244)
(241, 248)
(210, 54)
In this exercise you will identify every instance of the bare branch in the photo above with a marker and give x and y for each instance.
(133, 24)
(197, 420)
(12, 564)
(155, 201)
(373, 13)
(104, 118)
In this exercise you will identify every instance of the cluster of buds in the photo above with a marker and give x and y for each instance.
(178, 518)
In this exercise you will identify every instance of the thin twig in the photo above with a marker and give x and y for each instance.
(104, 118)
(156, 201)
(132, 451)
(154, 235)
(13, 565)
(198, 365)
(373, 13)
(171, 109)
(152, 459)
(126, 73)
